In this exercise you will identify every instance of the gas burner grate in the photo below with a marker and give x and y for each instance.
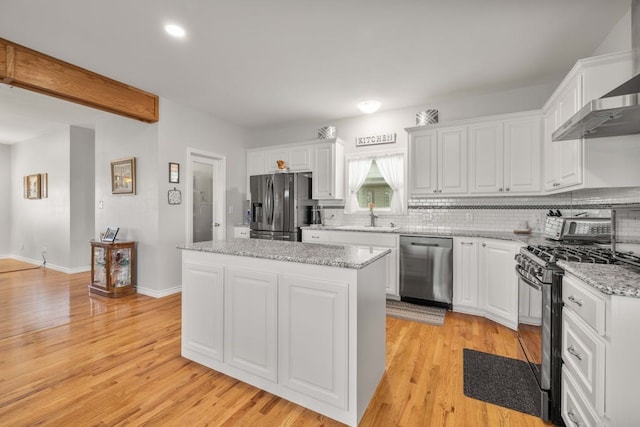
(586, 254)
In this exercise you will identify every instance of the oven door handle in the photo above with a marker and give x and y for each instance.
(537, 286)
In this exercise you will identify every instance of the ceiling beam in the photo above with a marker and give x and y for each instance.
(28, 69)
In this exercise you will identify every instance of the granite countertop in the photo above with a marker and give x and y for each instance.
(527, 239)
(611, 279)
(354, 257)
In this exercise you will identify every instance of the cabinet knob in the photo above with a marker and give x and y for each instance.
(507, 189)
(440, 191)
(435, 191)
(315, 237)
(572, 417)
(500, 189)
(575, 301)
(484, 244)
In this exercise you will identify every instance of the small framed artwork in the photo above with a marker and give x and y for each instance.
(174, 173)
(175, 196)
(110, 234)
(32, 186)
(123, 176)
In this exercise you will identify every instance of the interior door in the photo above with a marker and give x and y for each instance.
(207, 197)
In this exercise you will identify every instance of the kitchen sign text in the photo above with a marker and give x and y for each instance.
(383, 138)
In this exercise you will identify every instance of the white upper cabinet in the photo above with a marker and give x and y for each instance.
(328, 170)
(504, 155)
(563, 159)
(522, 154)
(300, 158)
(438, 160)
(594, 162)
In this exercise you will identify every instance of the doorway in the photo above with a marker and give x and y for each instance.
(206, 187)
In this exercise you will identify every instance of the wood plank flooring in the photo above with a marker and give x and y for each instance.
(70, 359)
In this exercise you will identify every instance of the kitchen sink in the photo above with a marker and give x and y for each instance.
(366, 228)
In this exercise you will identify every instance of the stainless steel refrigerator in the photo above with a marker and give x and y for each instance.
(279, 205)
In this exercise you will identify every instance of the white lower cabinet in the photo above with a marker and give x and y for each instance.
(600, 349)
(465, 276)
(498, 282)
(313, 343)
(250, 315)
(382, 240)
(202, 322)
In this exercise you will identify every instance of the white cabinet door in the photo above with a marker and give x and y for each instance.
(300, 158)
(522, 153)
(452, 160)
(328, 171)
(255, 162)
(202, 311)
(241, 232)
(313, 345)
(486, 157)
(550, 155)
(423, 158)
(465, 275)
(251, 321)
(498, 282)
(568, 164)
(272, 156)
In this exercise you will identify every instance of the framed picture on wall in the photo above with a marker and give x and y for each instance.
(123, 176)
(32, 186)
(174, 173)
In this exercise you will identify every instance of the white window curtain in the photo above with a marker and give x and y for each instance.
(358, 171)
(392, 170)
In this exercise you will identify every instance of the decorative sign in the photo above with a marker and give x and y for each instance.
(383, 138)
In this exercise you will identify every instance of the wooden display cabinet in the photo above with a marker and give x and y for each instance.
(113, 268)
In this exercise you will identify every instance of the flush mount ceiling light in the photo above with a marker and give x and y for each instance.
(369, 106)
(175, 30)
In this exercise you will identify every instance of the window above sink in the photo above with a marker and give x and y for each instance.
(376, 180)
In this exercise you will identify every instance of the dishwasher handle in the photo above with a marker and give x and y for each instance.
(433, 245)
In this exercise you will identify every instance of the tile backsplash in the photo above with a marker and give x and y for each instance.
(503, 213)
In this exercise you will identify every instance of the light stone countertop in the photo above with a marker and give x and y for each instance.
(611, 279)
(354, 257)
(527, 239)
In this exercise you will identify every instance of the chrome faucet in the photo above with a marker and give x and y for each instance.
(373, 217)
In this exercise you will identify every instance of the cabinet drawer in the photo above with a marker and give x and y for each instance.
(583, 354)
(575, 410)
(241, 232)
(589, 306)
(316, 236)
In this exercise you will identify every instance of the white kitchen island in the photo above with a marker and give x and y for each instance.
(304, 322)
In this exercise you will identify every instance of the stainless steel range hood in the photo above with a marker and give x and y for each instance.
(618, 112)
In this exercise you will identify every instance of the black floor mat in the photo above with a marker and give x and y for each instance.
(501, 381)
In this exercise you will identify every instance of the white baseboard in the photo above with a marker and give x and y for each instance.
(50, 266)
(158, 294)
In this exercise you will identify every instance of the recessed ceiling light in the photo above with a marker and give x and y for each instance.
(370, 106)
(175, 30)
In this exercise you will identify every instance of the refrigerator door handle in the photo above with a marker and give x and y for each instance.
(270, 202)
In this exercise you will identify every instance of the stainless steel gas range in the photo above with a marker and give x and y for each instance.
(541, 342)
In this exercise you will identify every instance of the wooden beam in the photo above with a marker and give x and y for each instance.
(25, 68)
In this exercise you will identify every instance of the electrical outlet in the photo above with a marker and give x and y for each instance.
(427, 217)
(468, 217)
(100, 204)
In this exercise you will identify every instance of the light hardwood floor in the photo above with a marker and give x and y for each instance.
(70, 359)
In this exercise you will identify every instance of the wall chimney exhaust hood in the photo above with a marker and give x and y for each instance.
(618, 112)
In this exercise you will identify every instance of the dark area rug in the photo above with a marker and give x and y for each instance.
(501, 381)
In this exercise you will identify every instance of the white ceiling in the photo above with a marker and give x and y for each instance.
(263, 63)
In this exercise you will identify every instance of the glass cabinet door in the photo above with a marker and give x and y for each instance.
(121, 267)
(99, 266)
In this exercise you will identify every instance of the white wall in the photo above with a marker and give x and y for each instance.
(181, 128)
(5, 204)
(147, 217)
(38, 223)
(137, 215)
(82, 212)
(524, 99)
(618, 39)
(63, 222)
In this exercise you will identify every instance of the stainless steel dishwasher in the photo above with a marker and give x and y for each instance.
(426, 270)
